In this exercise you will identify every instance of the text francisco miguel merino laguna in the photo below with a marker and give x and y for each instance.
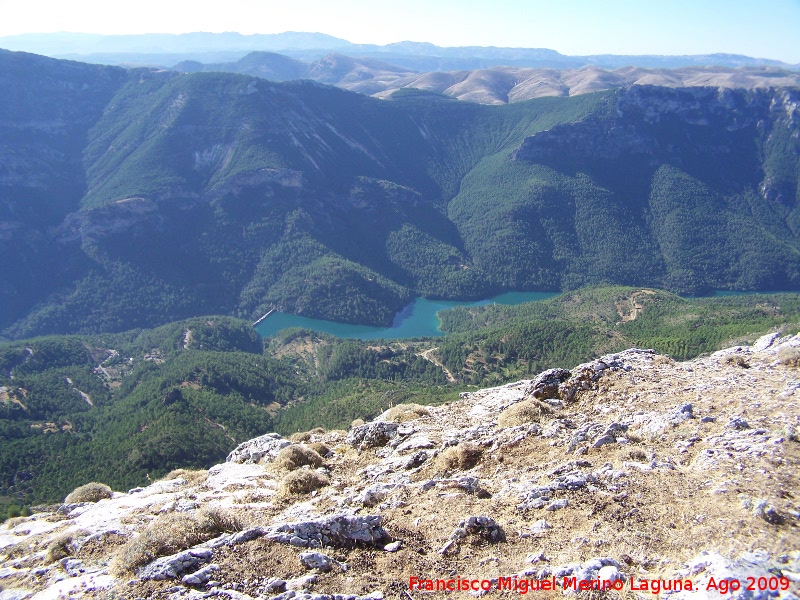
(523, 585)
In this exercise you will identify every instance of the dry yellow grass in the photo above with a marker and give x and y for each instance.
(192, 477)
(301, 481)
(527, 411)
(173, 532)
(405, 412)
(91, 492)
(459, 458)
(296, 456)
(304, 436)
(319, 448)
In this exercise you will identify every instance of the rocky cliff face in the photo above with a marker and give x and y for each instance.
(630, 471)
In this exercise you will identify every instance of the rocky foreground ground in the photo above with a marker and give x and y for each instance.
(630, 473)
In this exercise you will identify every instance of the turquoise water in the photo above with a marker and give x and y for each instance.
(418, 319)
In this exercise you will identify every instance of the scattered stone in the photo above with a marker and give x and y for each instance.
(317, 560)
(393, 547)
(737, 423)
(540, 526)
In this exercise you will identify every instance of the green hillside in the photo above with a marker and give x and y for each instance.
(136, 198)
(122, 408)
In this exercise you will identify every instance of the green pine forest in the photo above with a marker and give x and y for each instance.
(126, 408)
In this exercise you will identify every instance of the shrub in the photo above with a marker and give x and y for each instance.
(91, 492)
(320, 448)
(304, 436)
(527, 411)
(789, 356)
(61, 547)
(191, 476)
(405, 412)
(302, 481)
(461, 457)
(296, 456)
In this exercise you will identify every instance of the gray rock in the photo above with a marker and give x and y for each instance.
(372, 435)
(416, 460)
(170, 567)
(737, 423)
(545, 386)
(317, 560)
(340, 531)
(201, 576)
(603, 440)
(73, 566)
(393, 547)
(610, 573)
(557, 504)
(540, 526)
(253, 451)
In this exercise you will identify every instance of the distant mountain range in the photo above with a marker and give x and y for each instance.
(132, 197)
(168, 49)
(496, 85)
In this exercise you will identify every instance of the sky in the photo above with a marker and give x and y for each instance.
(759, 28)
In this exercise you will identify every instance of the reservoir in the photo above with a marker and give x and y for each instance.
(418, 319)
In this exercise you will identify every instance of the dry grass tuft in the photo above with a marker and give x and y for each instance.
(174, 532)
(789, 356)
(296, 456)
(301, 481)
(304, 436)
(319, 448)
(192, 477)
(527, 411)
(461, 457)
(405, 412)
(737, 361)
(61, 546)
(357, 423)
(91, 492)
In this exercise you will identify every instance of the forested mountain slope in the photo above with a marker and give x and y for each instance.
(132, 198)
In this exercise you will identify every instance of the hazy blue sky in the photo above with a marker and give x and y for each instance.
(762, 28)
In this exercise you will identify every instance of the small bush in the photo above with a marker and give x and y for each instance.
(91, 492)
(789, 356)
(302, 481)
(296, 456)
(320, 448)
(304, 436)
(61, 547)
(405, 412)
(527, 411)
(459, 458)
(191, 476)
(171, 533)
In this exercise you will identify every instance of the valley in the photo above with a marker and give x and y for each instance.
(336, 206)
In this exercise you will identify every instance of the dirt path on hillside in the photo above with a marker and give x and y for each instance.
(427, 356)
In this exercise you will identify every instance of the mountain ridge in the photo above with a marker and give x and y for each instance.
(144, 48)
(248, 185)
(496, 85)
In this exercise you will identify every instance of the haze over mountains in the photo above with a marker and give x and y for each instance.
(495, 85)
(168, 49)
